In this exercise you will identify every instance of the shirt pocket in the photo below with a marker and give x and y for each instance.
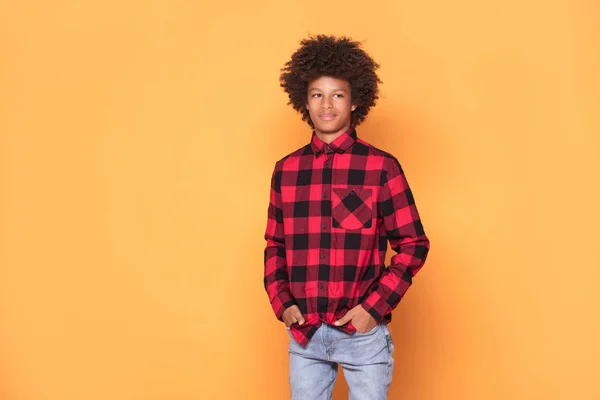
(352, 208)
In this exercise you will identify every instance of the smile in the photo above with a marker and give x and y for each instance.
(327, 117)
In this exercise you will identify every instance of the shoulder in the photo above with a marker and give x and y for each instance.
(387, 161)
(292, 158)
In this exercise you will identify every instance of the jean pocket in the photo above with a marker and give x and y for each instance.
(352, 208)
(371, 332)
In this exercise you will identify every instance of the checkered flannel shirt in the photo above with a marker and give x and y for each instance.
(333, 208)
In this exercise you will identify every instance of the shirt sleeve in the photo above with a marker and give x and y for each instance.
(276, 279)
(407, 238)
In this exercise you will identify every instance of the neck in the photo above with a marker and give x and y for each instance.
(330, 137)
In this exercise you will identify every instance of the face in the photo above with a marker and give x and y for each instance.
(329, 104)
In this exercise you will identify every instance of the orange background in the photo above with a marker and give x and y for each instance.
(137, 140)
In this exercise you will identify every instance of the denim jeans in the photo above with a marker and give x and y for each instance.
(366, 358)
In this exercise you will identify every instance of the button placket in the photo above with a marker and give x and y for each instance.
(324, 260)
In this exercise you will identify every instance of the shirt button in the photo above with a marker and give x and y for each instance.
(324, 195)
(323, 226)
(322, 255)
(320, 286)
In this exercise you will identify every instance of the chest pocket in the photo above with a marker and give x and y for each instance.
(352, 208)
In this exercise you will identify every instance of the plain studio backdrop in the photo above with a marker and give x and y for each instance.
(137, 140)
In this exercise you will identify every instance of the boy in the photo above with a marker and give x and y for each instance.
(334, 205)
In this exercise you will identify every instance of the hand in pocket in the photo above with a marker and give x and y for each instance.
(292, 315)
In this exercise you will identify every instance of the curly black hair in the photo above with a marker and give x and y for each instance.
(340, 58)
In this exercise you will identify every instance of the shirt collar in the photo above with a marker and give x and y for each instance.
(339, 145)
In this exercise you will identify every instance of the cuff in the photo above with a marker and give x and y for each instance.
(282, 302)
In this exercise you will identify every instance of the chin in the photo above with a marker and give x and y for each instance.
(329, 128)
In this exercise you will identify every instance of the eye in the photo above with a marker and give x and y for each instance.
(316, 95)
(339, 95)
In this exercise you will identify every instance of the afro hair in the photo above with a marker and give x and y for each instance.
(340, 58)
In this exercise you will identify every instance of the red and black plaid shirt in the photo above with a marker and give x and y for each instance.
(332, 210)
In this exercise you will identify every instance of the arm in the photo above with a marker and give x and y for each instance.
(406, 236)
(276, 280)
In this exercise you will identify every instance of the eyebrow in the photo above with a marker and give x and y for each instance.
(334, 90)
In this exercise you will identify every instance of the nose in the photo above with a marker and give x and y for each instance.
(326, 104)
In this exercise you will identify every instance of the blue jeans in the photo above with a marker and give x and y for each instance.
(367, 360)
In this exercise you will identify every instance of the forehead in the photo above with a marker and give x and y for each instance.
(329, 83)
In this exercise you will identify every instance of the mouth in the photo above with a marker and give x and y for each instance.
(327, 117)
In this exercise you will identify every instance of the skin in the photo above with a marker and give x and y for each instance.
(329, 104)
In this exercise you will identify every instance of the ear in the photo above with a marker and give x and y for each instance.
(353, 107)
